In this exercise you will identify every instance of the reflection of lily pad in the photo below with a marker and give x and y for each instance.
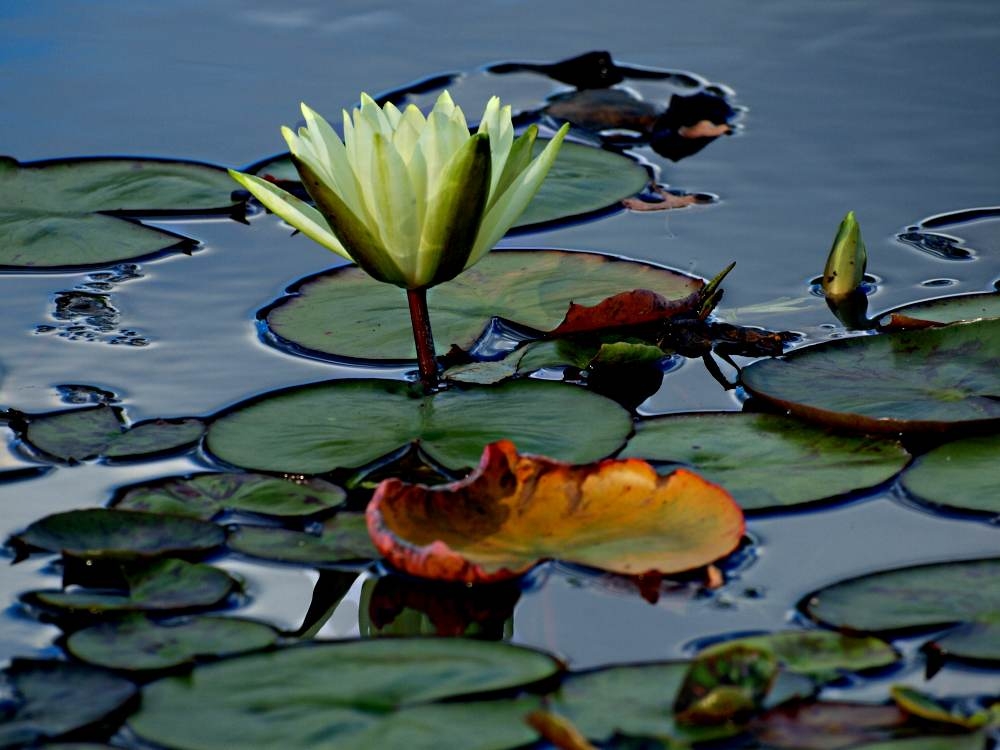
(99, 533)
(315, 429)
(55, 214)
(344, 538)
(344, 313)
(929, 380)
(360, 694)
(82, 434)
(515, 511)
(962, 475)
(136, 643)
(53, 698)
(162, 586)
(923, 597)
(768, 461)
(583, 180)
(206, 495)
(953, 309)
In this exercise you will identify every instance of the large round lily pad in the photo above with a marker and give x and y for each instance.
(359, 694)
(54, 214)
(583, 180)
(346, 314)
(954, 308)
(343, 539)
(206, 495)
(936, 379)
(768, 461)
(961, 475)
(349, 423)
(918, 598)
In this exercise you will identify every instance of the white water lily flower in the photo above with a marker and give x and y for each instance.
(413, 200)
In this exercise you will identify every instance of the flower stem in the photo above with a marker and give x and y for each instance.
(423, 339)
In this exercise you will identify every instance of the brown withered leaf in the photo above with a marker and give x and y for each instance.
(635, 308)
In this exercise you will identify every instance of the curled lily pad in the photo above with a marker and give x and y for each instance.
(99, 533)
(49, 699)
(514, 511)
(314, 429)
(344, 538)
(937, 379)
(207, 495)
(345, 314)
(953, 309)
(768, 461)
(919, 598)
(960, 475)
(58, 214)
(359, 694)
(161, 586)
(930, 709)
(136, 643)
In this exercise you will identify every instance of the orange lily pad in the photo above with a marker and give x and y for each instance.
(516, 511)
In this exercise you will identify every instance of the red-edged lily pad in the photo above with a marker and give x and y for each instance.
(514, 511)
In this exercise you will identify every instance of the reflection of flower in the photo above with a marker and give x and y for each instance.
(412, 200)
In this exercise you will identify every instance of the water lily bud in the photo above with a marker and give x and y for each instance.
(845, 267)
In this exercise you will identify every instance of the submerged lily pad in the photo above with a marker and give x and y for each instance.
(515, 511)
(935, 379)
(919, 598)
(49, 699)
(961, 475)
(768, 461)
(162, 586)
(953, 309)
(137, 643)
(82, 434)
(56, 214)
(344, 538)
(360, 694)
(345, 314)
(314, 429)
(207, 495)
(100, 533)
(830, 726)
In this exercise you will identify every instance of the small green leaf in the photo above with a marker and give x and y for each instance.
(344, 538)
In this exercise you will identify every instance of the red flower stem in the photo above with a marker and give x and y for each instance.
(423, 339)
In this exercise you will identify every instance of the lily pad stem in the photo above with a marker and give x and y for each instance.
(423, 339)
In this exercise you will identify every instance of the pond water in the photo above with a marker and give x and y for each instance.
(887, 109)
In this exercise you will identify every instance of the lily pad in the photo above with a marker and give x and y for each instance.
(344, 538)
(162, 586)
(767, 461)
(53, 698)
(345, 314)
(583, 180)
(82, 434)
(931, 380)
(953, 309)
(515, 511)
(358, 694)
(314, 429)
(137, 643)
(919, 598)
(207, 495)
(57, 214)
(99, 533)
(830, 726)
(960, 476)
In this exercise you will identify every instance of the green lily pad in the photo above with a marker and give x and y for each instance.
(954, 308)
(344, 539)
(356, 694)
(960, 476)
(918, 598)
(162, 586)
(314, 429)
(55, 214)
(937, 379)
(767, 461)
(137, 643)
(582, 180)
(207, 495)
(82, 434)
(53, 698)
(100, 533)
(345, 314)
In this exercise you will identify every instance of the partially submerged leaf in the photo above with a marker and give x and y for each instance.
(634, 308)
(344, 538)
(829, 726)
(514, 511)
(725, 684)
(960, 476)
(952, 309)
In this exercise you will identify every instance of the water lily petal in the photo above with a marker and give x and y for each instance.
(396, 216)
(497, 123)
(331, 150)
(517, 161)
